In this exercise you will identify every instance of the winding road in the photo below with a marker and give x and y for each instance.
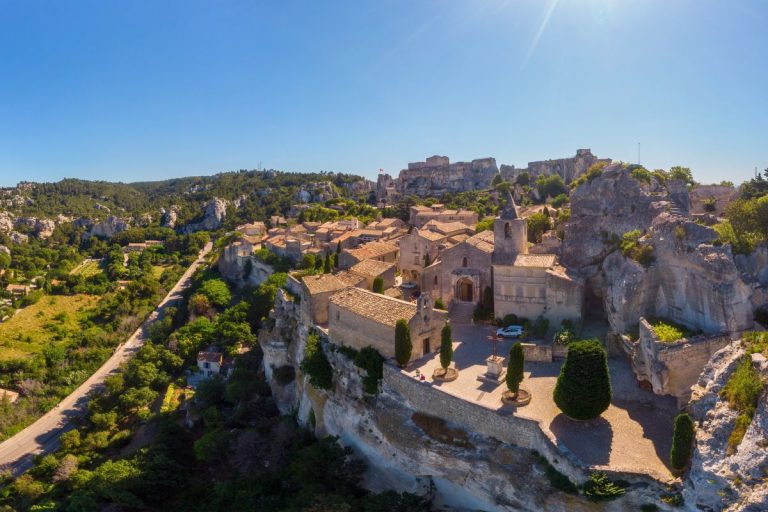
(42, 437)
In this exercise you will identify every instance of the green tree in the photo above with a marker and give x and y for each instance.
(682, 442)
(496, 180)
(378, 284)
(217, 292)
(327, 265)
(523, 179)
(583, 389)
(403, 345)
(515, 367)
(538, 224)
(681, 173)
(446, 347)
(316, 365)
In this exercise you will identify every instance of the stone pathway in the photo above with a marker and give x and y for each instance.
(633, 435)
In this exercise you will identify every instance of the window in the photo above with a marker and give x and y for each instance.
(507, 231)
(435, 280)
(206, 365)
(464, 262)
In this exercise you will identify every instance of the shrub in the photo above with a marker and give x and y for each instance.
(510, 319)
(446, 347)
(515, 367)
(559, 200)
(563, 337)
(403, 345)
(583, 389)
(439, 304)
(710, 204)
(600, 488)
(668, 331)
(551, 186)
(372, 362)
(378, 285)
(316, 365)
(217, 292)
(682, 442)
(641, 174)
(540, 326)
(523, 178)
(538, 224)
(556, 479)
(632, 248)
(742, 391)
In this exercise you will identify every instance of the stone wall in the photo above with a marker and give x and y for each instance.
(537, 353)
(672, 368)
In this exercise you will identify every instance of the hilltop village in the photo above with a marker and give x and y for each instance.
(576, 248)
(577, 334)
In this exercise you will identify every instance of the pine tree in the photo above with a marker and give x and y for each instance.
(403, 345)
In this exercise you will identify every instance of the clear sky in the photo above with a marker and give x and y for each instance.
(144, 90)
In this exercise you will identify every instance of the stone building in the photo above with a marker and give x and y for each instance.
(530, 285)
(420, 215)
(435, 177)
(358, 318)
(385, 250)
(371, 269)
(316, 290)
(567, 168)
(422, 247)
(463, 272)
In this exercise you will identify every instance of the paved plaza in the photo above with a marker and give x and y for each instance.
(634, 434)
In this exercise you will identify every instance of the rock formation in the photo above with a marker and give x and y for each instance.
(108, 228)
(691, 280)
(316, 192)
(567, 168)
(41, 228)
(720, 479)
(6, 222)
(437, 176)
(168, 217)
(214, 213)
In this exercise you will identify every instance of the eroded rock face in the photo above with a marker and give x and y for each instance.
(41, 228)
(691, 281)
(214, 214)
(720, 480)
(108, 228)
(6, 222)
(168, 217)
(316, 192)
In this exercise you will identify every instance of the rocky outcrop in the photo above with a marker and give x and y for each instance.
(213, 215)
(168, 217)
(41, 228)
(316, 192)
(567, 168)
(18, 238)
(720, 479)
(238, 265)
(5, 250)
(108, 228)
(6, 222)
(690, 279)
(437, 176)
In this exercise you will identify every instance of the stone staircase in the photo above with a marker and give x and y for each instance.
(461, 312)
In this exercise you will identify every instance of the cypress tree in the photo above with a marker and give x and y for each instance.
(682, 442)
(403, 346)
(378, 285)
(327, 268)
(515, 367)
(446, 347)
(583, 389)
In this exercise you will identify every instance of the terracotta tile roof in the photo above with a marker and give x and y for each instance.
(534, 260)
(209, 357)
(483, 241)
(323, 283)
(350, 278)
(430, 235)
(374, 249)
(371, 268)
(373, 306)
(446, 227)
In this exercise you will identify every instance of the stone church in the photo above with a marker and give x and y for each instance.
(530, 285)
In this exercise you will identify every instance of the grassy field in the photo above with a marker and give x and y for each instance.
(157, 270)
(87, 268)
(50, 319)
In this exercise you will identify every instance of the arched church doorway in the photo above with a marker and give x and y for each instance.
(464, 290)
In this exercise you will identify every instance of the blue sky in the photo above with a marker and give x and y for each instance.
(145, 90)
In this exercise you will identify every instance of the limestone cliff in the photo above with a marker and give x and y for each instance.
(466, 470)
(690, 279)
(720, 479)
(108, 228)
(214, 213)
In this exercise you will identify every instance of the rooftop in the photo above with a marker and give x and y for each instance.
(371, 268)
(535, 260)
(374, 249)
(323, 283)
(483, 241)
(209, 357)
(446, 227)
(373, 306)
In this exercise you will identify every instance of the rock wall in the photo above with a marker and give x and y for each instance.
(108, 228)
(722, 195)
(567, 168)
(718, 479)
(437, 176)
(691, 280)
(213, 215)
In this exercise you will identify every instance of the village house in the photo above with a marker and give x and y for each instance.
(530, 285)
(18, 290)
(316, 290)
(212, 362)
(358, 318)
(420, 215)
(135, 247)
(386, 250)
(252, 229)
(371, 269)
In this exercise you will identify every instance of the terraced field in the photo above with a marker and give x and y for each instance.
(49, 320)
(88, 268)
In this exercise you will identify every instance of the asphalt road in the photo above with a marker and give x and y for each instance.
(42, 437)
